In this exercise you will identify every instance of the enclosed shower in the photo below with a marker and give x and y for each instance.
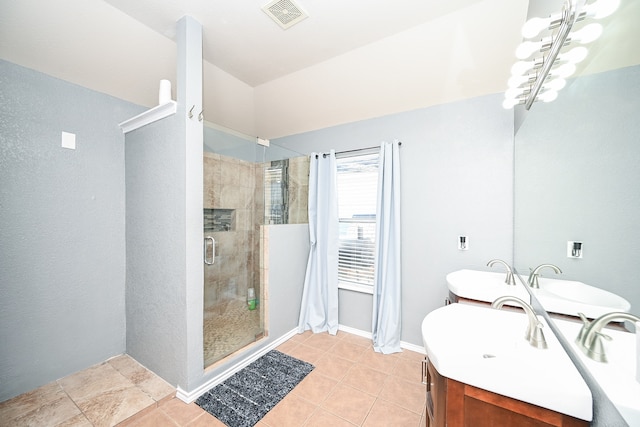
(246, 185)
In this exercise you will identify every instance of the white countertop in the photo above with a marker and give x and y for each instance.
(485, 348)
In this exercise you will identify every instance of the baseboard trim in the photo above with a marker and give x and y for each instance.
(191, 396)
(365, 334)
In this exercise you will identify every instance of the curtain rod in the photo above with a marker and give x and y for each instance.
(356, 150)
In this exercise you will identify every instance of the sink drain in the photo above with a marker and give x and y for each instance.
(488, 356)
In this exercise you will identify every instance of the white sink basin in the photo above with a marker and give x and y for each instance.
(571, 297)
(485, 348)
(557, 296)
(617, 377)
(484, 286)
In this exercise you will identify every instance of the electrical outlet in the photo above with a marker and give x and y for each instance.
(574, 249)
(463, 243)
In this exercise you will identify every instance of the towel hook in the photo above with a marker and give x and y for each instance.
(191, 111)
(201, 116)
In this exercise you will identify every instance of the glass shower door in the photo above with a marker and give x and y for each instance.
(233, 313)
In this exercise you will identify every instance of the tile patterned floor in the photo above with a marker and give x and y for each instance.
(350, 386)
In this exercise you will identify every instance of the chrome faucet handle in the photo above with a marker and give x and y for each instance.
(509, 280)
(585, 325)
(537, 339)
(533, 276)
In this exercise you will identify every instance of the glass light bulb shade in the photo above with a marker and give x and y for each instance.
(587, 34)
(521, 67)
(526, 49)
(575, 55)
(602, 8)
(515, 81)
(534, 26)
(564, 70)
(555, 84)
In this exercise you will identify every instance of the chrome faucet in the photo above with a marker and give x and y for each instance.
(533, 277)
(590, 337)
(534, 333)
(509, 279)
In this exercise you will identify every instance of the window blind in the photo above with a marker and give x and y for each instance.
(357, 181)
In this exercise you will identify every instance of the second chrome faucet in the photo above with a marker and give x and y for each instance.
(534, 333)
(533, 277)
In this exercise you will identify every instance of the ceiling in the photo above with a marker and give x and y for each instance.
(124, 47)
(239, 37)
(243, 41)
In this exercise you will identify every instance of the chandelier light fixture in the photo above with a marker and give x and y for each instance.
(551, 49)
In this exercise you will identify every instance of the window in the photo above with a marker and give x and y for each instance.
(276, 193)
(357, 192)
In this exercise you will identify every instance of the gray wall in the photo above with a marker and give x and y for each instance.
(164, 185)
(577, 178)
(457, 178)
(155, 248)
(62, 231)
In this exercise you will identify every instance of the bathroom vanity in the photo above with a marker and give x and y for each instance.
(480, 371)
(453, 403)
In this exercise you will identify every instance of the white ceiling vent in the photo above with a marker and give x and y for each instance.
(285, 12)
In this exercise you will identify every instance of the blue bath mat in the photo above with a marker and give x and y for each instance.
(244, 398)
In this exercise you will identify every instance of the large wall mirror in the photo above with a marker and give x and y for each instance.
(577, 169)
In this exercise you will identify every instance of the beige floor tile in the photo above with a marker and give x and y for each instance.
(322, 418)
(287, 346)
(332, 366)
(292, 411)
(409, 370)
(155, 418)
(77, 421)
(384, 363)
(306, 353)
(386, 414)
(349, 404)
(94, 381)
(30, 401)
(181, 412)
(50, 414)
(322, 341)
(114, 406)
(406, 394)
(315, 387)
(205, 420)
(358, 340)
(299, 338)
(150, 383)
(412, 355)
(348, 350)
(364, 379)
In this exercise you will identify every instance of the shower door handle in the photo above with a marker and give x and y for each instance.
(213, 250)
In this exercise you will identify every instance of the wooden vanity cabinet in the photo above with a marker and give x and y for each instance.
(451, 403)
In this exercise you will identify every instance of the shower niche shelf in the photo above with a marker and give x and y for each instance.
(219, 219)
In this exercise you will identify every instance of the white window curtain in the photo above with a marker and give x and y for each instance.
(386, 324)
(319, 308)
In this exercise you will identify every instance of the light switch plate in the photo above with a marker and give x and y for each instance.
(69, 140)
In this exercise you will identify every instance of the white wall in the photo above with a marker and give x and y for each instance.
(457, 178)
(395, 74)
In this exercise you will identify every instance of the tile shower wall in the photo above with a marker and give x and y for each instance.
(234, 185)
